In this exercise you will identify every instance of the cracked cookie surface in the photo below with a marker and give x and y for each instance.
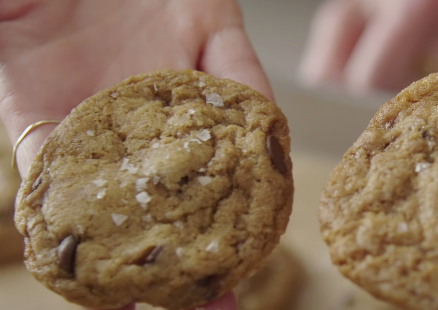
(379, 210)
(167, 188)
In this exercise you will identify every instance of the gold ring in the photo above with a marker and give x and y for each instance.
(24, 134)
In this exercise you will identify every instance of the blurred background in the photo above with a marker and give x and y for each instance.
(323, 125)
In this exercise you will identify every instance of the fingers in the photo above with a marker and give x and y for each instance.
(366, 45)
(335, 31)
(228, 54)
(389, 52)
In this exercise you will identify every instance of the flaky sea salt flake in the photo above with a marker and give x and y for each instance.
(147, 218)
(202, 169)
(421, 166)
(402, 227)
(204, 180)
(156, 179)
(179, 252)
(99, 182)
(90, 132)
(140, 184)
(155, 145)
(212, 247)
(127, 166)
(195, 140)
(178, 224)
(214, 99)
(143, 198)
(204, 134)
(191, 111)
(80, 229)
(101, 194)
(118, 219)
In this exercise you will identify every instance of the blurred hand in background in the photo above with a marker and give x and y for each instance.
(369, 45)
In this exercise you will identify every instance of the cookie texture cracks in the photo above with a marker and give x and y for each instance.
(379, 209)
(168, 188)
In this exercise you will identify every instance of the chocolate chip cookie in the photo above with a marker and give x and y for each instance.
(11, 242)
(168, 189)
(379, 210)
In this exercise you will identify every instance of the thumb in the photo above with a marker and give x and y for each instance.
(229, 54)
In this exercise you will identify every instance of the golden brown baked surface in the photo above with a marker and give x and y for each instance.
(168, 188)
(379, 209)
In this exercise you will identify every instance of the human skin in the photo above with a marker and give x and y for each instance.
(368, 45)
(56, 53)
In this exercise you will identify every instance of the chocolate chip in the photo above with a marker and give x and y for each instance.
(148, 256)
(67, 253)
(276, 153)
(153, 254)
(37, 182)
(183, 181)
(211, 284)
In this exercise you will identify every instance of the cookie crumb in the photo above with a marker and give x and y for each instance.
(214, 99)
(204, 135)
(178, 252)
(212, 247)
(421, 166)
(204, 180)
(101, 194)
(90, 133)
(140, 184)
(178, 224)
(126, 166)
(147, 218)
(118, 219)
(99, 182)
(143, 198)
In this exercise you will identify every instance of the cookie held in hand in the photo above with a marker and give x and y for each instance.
(168, 188)
(379, 210)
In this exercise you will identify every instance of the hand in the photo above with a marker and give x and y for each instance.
(365, 45)
(54, 54)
